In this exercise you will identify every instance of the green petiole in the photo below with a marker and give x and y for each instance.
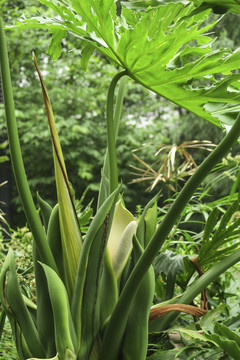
(17, 161)
(111, 134)
(116, 121)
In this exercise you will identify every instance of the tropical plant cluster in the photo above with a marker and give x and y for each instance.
(146, 117)
(105, 284)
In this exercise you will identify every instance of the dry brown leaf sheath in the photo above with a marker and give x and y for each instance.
(156, 312)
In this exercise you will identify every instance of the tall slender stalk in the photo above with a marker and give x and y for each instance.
(32, 215)
(119, 316)
(111, 138)
(116, 122)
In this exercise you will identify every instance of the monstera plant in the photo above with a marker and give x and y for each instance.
(95, 292)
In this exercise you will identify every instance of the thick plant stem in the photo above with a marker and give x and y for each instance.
(111, 139)
(116, 121)
(118, 319)
(32, 215)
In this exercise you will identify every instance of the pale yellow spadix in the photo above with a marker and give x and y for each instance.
(124, 248)
(120, 238)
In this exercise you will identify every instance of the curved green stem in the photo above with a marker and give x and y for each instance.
(32, 215)
(116, 120)
(111, 138)
(119, 317)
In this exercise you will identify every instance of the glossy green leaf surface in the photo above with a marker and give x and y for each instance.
(166, 48)
(65, 336)
(216, 6)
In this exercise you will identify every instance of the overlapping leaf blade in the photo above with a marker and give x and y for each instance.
(220, 6)
(14, 305)
(227, 339)
(65, 336)
(45, 321)
(85, 297)
(98, 17)
(69, 226)
(170, 264)
(169, 66)
(91, 21)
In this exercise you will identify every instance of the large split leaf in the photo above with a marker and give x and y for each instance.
(164, 47)
(216, 6)
(91, 20)
(220, 7)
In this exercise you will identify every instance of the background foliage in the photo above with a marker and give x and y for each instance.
(78, 100)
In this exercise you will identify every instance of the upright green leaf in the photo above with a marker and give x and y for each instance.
(210, 224)
(65, 336)
(91, 20)
(70, 230)
(151, 223)
(45, 321)
(16, 157)
(227, 216)
(46, 210)
(16, 308)
(85, 297)
(2, 322)
(141, 230)
(104, 190)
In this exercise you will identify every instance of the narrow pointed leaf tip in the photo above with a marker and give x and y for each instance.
(120, 238)
(69, 226)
